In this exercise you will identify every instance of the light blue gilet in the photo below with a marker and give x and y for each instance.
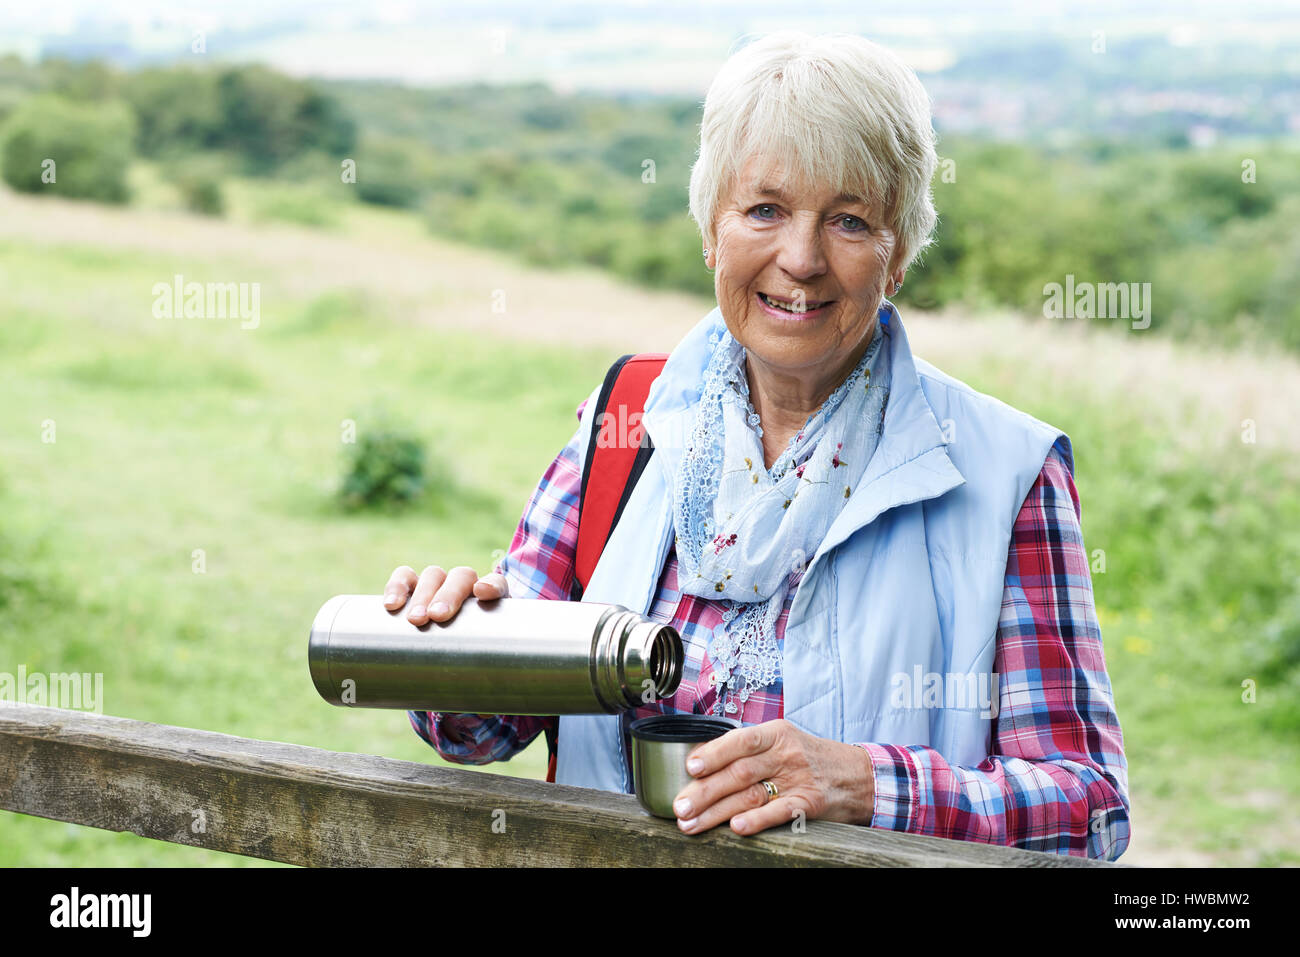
(907, 583)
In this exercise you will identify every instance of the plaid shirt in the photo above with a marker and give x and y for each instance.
(1056, 779)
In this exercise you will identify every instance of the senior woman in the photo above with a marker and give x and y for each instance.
(877, 570)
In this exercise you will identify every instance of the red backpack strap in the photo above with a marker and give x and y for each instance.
(617, 453)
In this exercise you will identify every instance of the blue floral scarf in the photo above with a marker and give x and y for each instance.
(744, 531)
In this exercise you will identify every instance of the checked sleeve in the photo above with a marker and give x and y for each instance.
(1056, 779)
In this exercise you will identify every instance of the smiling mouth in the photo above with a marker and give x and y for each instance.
(790, 306)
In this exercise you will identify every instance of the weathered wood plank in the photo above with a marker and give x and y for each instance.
(300, 805)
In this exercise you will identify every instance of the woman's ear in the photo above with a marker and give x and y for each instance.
(897, 270)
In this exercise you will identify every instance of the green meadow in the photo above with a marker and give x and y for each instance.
(180, 530)
(180, 441)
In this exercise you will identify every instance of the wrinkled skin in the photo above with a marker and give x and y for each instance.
(804, 244)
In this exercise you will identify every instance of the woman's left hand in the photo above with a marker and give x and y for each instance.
(816, 776)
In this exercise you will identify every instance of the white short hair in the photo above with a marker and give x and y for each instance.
(833, 109)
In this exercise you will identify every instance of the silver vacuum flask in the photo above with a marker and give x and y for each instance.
(505, 656)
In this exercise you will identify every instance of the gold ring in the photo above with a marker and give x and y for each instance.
(771, 790)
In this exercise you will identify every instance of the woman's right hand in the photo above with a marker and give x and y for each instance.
(436, 595)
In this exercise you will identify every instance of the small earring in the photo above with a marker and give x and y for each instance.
(897, 286)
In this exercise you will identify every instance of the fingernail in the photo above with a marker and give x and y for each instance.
(438, 609)
(390, 598)
(740, 823)
(416, 612)
(694, 766)
(682, 806)
(688, 825)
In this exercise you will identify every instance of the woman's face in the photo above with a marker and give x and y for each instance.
(828, 257)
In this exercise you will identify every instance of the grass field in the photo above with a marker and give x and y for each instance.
(177, 435)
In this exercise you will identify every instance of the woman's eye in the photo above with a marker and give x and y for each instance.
(853, 224)
(764, 206)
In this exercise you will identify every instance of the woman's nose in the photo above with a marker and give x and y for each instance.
(801, 254)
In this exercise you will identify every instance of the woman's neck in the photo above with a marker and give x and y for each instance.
(784, 402)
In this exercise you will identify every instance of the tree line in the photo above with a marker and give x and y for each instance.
(601, 180)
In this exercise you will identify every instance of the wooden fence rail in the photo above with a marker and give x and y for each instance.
(300, 805)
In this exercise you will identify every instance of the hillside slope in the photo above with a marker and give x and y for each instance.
(164, 410)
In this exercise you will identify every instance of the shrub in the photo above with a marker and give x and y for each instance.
(202, 194)
(270, 118)
(385, 468)
(176, 109)
(199, 185)
(393, 172)
(302, 206)
(89, 144)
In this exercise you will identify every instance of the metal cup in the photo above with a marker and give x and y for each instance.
(660, 745)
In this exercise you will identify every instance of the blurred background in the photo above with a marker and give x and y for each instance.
(443, 222)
